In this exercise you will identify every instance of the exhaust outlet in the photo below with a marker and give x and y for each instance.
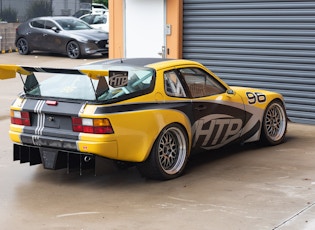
(87, 159)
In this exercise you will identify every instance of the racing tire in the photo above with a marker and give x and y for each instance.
(274, 124)
(169, 154)
(23, 46)
(73, 50)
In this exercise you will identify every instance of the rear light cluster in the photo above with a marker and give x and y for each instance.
(20, 118)
(89, 125)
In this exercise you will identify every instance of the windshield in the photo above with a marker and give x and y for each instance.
(73, 24)
(122, 82)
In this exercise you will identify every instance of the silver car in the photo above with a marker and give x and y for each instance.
(65, 35)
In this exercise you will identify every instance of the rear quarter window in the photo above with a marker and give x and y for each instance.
(38, 24)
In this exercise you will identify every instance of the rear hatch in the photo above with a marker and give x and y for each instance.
(53, 111)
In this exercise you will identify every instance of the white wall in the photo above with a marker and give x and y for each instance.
(65, 7)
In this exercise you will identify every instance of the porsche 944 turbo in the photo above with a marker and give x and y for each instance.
(151, 112)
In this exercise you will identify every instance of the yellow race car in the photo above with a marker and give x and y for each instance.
(150, 112)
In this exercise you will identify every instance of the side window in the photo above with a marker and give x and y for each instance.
(38, 24)
(173, 86)
(49, 25)
(87, 19)
(99, 20)
(200, 83)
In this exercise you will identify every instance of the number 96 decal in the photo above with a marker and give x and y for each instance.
(255, 97)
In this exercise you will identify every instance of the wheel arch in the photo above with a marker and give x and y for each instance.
(138, 139)
(71, 40)
(17, 39)
(182, 121)
(186, 132)
(272, 100)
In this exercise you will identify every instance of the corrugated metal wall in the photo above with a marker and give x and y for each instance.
(262, 44)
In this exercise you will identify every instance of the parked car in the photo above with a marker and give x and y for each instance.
(151, 112)
(81, 12)
(94, 8)
(97, 21)
(98, 8)
(67, 35)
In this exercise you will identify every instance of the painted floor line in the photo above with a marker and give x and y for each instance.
(294, 216)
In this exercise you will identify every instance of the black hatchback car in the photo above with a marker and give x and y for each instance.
(66, 35)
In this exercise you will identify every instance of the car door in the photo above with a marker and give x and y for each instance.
(53, 38)
(218, 117)
(35, 35)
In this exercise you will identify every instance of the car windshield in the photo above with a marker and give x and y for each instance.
(73, 24)
(120, 84)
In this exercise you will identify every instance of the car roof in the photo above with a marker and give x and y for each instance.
(53, 18)
(93, 14)
(99, 5)
(155, 63)
(140, 62)
(96, 14)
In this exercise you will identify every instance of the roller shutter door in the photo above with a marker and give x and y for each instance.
(263, 44)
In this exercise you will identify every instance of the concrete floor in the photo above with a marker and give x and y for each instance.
(240, 187)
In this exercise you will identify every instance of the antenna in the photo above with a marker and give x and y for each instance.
(121, 60)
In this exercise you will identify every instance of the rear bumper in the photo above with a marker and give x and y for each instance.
(107, 149)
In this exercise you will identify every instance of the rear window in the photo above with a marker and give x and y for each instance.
(121, 84)
(38, 24)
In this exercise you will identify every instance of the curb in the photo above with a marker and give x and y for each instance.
(8, 51)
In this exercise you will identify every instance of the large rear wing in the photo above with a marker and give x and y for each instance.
(116, 79)
(10, 71)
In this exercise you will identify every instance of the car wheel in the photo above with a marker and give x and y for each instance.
(23, 46)
(168, 156)
(73, 50)
(274, 123)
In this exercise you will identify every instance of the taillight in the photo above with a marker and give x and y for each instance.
(92, 125)
(20, 118)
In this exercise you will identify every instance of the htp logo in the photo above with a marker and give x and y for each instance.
(216, 129)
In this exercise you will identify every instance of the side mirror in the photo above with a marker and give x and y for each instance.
(55, 29)
(230, 92)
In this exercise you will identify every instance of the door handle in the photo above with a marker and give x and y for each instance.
(162, 54)
(201, 107)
